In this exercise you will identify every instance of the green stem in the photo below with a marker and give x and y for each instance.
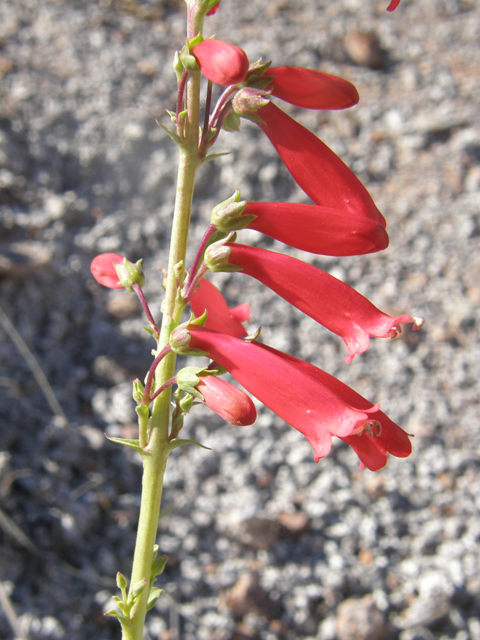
(152, 486)
(156, 452)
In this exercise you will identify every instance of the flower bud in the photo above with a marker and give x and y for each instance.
(227, 216)
(248, 100)
(221, 62)
(229, 402)
(104, 272)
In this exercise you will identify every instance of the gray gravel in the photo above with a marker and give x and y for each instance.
(263, 543)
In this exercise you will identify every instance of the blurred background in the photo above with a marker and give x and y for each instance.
(263, 543)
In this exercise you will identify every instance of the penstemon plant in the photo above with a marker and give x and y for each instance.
(342, 221)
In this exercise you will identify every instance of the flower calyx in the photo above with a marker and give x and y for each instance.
(217, 255)
(228, 215)
(248, 100)
(130, 274)
(180, 337)
(189, 377)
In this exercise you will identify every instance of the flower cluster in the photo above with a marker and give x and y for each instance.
(343, 220)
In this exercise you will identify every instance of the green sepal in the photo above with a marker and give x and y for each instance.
(133, 444)
(153, 596)
(151, 331)
(158, 566)
(177, 442)
(138, 392)
(213, 156)
(182, 115)
(258, 68)
(173, 116)
(113, 613)
(138, 587)
(253, 336)
(201, 320)
(260, 82)
(231, 123)
(186, 403)
(196, 40)
(177, 66)
(130, 273)
(253, 118)
(188, 60)
(174, 136)
(188, 379)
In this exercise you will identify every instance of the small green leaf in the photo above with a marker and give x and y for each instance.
(213, 156)
(174, 136)
(153, 597)
(177, 442)
(133, 444)
(114, 614)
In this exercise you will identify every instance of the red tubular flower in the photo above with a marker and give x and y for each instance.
(311, 89)
(229, 402)
(104, 272)
(327, 300)
(393, 5)
(221, 62)
(371, 449)
(220, 318)
(305, 403)
(315, 168)
(320, 230)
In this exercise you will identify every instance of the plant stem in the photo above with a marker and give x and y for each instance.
(152, 486)
(156, 452)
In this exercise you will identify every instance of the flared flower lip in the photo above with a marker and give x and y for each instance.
(329, 301)
(303, 402)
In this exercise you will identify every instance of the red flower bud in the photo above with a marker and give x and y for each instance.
(229, 402)
(221, 62)
(311, 89)
(104, 272)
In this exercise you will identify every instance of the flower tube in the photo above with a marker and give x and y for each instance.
(220, 318)
(320, 230)
(299, 399)
(324, 298)
(314, 167)
(372, 450)
(229, 402)
(311, 89)
(221, 62)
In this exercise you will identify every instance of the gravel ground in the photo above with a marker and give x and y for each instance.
(262, 542)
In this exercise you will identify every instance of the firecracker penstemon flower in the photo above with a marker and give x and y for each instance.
(342, 220)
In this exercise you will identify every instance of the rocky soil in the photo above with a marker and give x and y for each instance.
(263, 543)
